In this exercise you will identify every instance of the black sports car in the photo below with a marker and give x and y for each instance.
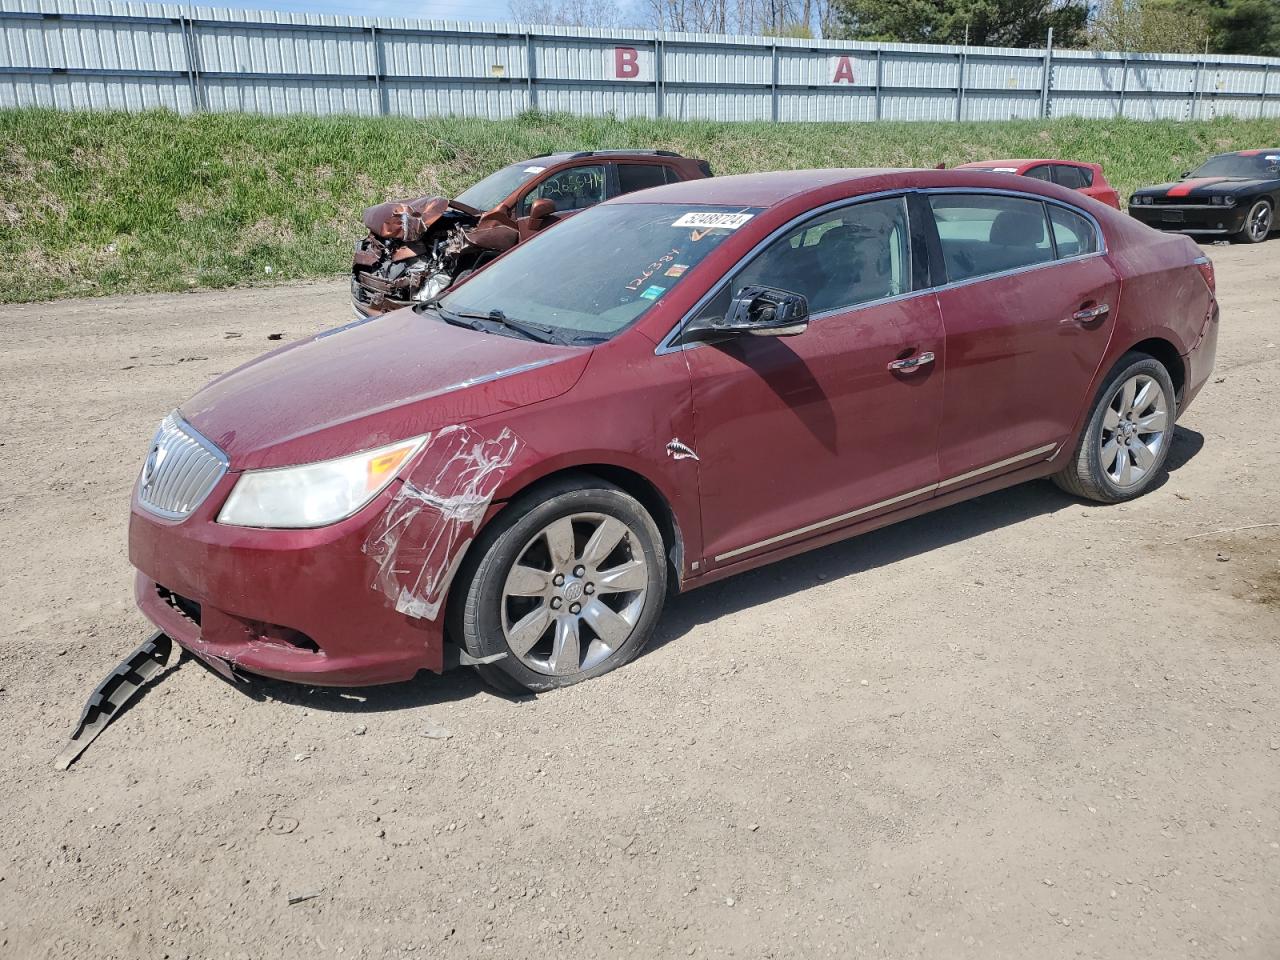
(1232, 194)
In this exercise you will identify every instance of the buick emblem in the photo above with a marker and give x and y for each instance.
(152, 464)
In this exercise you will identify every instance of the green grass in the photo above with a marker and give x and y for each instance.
(101, 203)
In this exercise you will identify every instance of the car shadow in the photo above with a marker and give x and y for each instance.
(886, 546)
(869, 551)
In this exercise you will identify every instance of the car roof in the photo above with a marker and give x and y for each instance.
(754, 189)
(1249, 153)
(1020, 163)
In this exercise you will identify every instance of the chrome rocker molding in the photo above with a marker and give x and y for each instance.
(1045, 452)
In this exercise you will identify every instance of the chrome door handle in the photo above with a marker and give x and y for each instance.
(1091, 313)
(911, 363)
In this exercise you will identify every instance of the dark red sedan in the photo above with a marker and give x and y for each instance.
(665, 390)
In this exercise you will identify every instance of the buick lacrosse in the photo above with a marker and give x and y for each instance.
(665, 390)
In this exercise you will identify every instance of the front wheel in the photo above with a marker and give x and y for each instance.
(1126, 440)
(1257, 223)
(567, 583)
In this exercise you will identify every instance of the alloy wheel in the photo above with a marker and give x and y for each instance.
(1259, 224)
(574, 594)
(1135, 428)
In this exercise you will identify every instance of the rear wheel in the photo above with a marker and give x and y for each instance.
(1257, 223)
(1126, 440)
(568, 584)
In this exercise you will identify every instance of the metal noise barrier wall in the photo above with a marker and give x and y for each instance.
(101, 54)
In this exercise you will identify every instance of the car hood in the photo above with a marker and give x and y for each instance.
(1206, 187)
(370, 383)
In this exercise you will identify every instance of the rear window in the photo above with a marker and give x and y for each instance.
(983, 234)
(1074, 178)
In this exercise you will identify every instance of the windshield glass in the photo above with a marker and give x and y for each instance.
(1260, 166)
(598, 272)
(497, 186)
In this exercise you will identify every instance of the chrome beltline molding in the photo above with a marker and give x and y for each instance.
(1048, 448)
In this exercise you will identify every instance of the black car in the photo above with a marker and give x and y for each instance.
(1231, 194)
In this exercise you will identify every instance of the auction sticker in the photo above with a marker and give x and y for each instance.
(714, 221)
(534, 169)
(654, 292)
(676, 270)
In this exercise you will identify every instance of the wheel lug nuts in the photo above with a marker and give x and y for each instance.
(589, 589)
(556, 603)
(575, 608)
(579, 571)
(558, 580)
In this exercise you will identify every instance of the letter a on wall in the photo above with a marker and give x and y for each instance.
(844, 71)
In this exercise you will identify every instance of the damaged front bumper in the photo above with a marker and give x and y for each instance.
(351, 603)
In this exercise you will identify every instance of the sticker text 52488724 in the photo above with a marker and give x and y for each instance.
(707, 220)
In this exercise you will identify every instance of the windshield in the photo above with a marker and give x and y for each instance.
(596, 273)
(1260, 166)
(497, 186)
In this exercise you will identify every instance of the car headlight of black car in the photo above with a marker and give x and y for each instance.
(1223, 201)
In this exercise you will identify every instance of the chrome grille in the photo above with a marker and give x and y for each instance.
(181, 469)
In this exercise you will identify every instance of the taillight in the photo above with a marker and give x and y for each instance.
(1206, 270)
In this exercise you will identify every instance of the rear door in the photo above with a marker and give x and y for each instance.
(1028, 310)
(802, 435)
(630, 177)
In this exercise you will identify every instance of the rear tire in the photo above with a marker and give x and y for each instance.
(567, 582)
(1126, 440)
(1257, 223)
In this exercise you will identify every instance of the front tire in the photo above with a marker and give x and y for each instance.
(1125, 442)
(1257, 223)
(567, 582)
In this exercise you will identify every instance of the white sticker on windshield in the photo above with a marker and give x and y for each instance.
(713, 221)
(534, 169)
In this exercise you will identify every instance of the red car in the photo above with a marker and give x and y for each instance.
(1085, 177)
(667, 389)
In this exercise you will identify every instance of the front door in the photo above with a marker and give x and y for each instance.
(1028, 312)
(798, 436)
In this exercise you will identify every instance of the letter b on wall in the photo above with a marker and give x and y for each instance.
(629, 63)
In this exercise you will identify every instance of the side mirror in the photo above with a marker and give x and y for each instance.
(760, 312)
(541, 208)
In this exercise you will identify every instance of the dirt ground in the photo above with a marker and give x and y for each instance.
(1021, 727)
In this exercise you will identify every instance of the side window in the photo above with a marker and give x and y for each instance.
(1041, 172)
(1074, 234)
(571, 189)
(983, 234)
(639, 176)
(1073, 178)
(672, 175)
(837, 260)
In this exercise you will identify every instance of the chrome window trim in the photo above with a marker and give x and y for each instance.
(1048, 448)
(668, 345)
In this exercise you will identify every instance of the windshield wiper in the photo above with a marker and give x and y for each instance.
(534, 331)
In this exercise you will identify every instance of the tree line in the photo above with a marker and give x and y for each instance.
(1151, 26)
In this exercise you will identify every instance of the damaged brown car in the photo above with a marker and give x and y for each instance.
(417, 249)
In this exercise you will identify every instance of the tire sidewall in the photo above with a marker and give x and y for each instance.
(479, 628)
(1247, 234)
(1128, 367)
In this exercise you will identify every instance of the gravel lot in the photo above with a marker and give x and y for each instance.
(1021, 727)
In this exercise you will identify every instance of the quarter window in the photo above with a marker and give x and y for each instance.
(839, 259)
(639, 176)
(571, 189)
(1074, 234)
(983, 234)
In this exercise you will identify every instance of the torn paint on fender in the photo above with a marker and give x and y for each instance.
(423, 534)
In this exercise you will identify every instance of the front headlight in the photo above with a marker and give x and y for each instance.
(1228, 201)
(314, 494)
